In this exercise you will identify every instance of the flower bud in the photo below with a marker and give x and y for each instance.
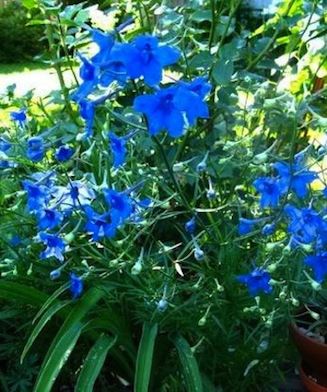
(55, 274)
(198, 254)
(137, 268)
(162, 305)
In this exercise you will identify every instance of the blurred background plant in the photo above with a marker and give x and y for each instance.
(164, 305)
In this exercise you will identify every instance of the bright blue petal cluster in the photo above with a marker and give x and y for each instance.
(55, 246)
(257, 281)
(35, 148)
(76, 285)
(171, 109)
(319, 265)
(64, 153)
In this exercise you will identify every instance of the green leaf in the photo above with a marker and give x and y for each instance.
(41, 324)
(51, 299)
(144, 357)
(22, 293)
(29, 4)
(65, 340)
(223, 71)
(189, 364)
(94, 363)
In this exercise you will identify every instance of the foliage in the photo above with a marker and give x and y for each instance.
(169, 207)
(19, 41)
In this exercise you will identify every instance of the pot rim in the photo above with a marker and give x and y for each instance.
(305, 376)
(296, 329)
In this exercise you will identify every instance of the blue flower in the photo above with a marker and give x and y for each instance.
(319, 265)
(37, 195)
(89, 74)
(270, 190)
(4, 145)
(120, 204)
(64, 153)
(75, 195)
(55, 246)
(35, 148)
(99, 225)
(118, 148)
(19, 116)
(268, 229)
(246, 225)
(76, 285)
(305, 223)
(165, 110)
(114, 68)
(87, 111)
(145, 57)
(199, 86)
(105, 43)
(49, 218)
(256, 281)
(295, 177)
(190, 225)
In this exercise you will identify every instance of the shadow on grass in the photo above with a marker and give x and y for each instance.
(21, 67)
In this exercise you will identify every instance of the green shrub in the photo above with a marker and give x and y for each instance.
(18, 40)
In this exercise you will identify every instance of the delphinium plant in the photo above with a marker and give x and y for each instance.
(167, 212)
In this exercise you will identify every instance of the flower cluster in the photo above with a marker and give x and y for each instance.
(304, 225)
(172, 109)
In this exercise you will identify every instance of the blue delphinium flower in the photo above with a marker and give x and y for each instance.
(37, 195)
(270, 190)
(87, 111)
(295, 177)
(268, 229)
(118, 148)
(89, 74)
(64, 153)
(19, 117)
(76, 285)
(75, 195)
(114, 68)
(256, 281)
(305, 223)
(105, 43)
(121, 205)
(55, 246)
(99, 225)
(145, 57)
(199, 86)
(165, 109)
(49, 218)
(4, 145)
(35, 148)
(319, 265)
(55, 274)
(190, 225)
(246, 225)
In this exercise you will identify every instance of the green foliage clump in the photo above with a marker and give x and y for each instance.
(19, 41)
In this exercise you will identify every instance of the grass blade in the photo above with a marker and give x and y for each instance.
(189, 365)
(144, 357)
(65, 340)
(94, 363)
(22, 293)
(41, 324)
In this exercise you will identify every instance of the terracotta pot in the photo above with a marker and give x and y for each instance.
(312, 381)
(313, 352)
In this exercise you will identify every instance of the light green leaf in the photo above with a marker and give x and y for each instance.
(223, 71)
(144, 357)
(189, 364)
(94, 363)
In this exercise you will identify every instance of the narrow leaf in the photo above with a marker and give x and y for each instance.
(144, 357)
(22, 293)
(65, 340)
(189, 365)
(41, 324)
(94, 363)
